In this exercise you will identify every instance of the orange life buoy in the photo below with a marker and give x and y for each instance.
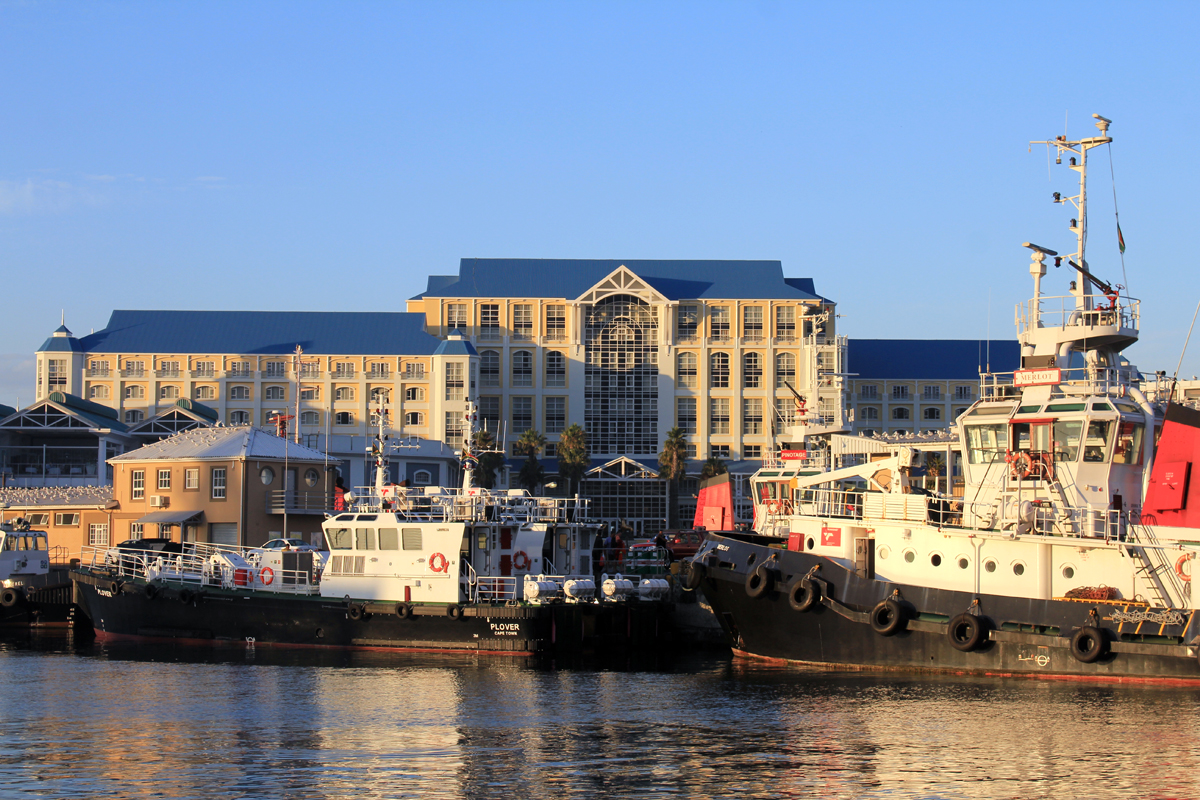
(439, 563)
(1022, 465)
(266, 576)
(1183, 559)
(521, 560)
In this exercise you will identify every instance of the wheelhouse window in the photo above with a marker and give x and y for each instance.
(986, 443)
(1129, 444)
(1066, 439)
(1097, 443)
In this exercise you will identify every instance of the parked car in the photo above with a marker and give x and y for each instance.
(132, 555)
(681, 544)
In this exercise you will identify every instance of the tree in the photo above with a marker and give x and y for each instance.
(672, 463)
(529, 444)
(483, 445)
(935, 465)
(572, 456)
(713, 467)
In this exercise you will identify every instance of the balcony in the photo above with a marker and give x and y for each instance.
(414, 373)
(97, 373)
(168, 373)
(133, 373)
(203, 374)
(298, 502)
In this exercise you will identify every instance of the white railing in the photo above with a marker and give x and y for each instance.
(1063, 312)
(1078, 380)
(481, 504)
(202, 566)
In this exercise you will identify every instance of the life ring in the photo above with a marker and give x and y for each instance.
(967, 632)
(1022, 465)
(439, 563)
(10, 597)
(888, 617)
(266, 575)
(520, 560)
(1089, 644)
(1183, 559)
(803, 595)
(760, 581)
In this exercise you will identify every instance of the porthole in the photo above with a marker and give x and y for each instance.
(311, 477)
(883, 552)
(990, 565)
(963, 562)
(1018, 568)
(267, 475)
(1068, 572)
(936, 559)
(910, 556)
(811, 543)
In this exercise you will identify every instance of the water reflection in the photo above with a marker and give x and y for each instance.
(81, 719)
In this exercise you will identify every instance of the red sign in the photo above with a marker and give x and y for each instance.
(794, 455)
(831, 537)
(1037, 377)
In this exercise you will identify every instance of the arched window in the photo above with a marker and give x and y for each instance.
(958, 412)
(785, 370)
(870, 413)
(933, 413)
(205, 393)
(343, 418)
(414, 393)
(134, 415)
(239, 417)
(344, 393)
(686, 373)
(135, 392)
(415, 418)
(489, 368)
(522, 368)
(239, 393)
(274, 393)
(422, 478)
(168, 392)
(752, 370)
(310, 418)
(98, 392)
(379, 395)
(556, 368)
(718, 371)
(901, 413)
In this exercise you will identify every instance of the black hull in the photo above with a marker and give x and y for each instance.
(1020, 636)
(47, 606)
(214, 615)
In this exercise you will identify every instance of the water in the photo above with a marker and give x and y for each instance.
(87, 720)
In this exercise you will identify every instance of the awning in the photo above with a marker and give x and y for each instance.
(171, 517)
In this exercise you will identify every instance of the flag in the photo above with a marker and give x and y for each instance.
(1120, 240)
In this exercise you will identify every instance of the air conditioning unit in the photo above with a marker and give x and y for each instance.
(159, 501)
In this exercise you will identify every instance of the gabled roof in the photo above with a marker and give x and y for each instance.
(263, 333)
(569, 278)
(929, 359)
(200, 444)
(62, 412)
(183, 415)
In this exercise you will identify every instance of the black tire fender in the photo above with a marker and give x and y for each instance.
(695, 575)
(804, 595)
(11, 596)
(185, 596)
(1089, 644)
(356, 612)
(760, 581)
(454, 611)
(888, 617)
(967, 632)
(151, 591)
(404, 611)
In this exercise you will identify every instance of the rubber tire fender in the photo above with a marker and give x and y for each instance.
(185, 596)
(804, 595)
(760, 581)
(454, 611)
(151, 591)
(115, 588)
(1089, 644)
(888, 617)
(356, 612)
(11, 596)
(967, 632)
(695, 575)
(404, 611)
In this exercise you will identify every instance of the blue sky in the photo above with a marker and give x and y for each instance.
(330, 156)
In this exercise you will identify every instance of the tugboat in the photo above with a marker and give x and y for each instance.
(434, 570)
(32, 592)
(1069, 553)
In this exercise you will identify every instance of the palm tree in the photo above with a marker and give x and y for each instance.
(935, 465)
(483, 444)
(529, 444)
(572, 455)
(713, 467)
(672, 463)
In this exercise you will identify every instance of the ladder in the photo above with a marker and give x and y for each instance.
(1153, 564)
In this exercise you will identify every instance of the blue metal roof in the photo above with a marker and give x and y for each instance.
(455, 347)
(569, 278)
(263, 333)
(61, 341)
(929, 359)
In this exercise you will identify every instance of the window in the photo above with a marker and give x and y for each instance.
(556, 414)
(870, 413)
(239, 417)
(556, 323)
(238, 369)
(752, 416)
(422, 478)
(56, 374)
(343, 418)
(958, 412)
(752, 370)
(963, 393)
(932, 393)
(135, 369)
(379, 395)
(720, 322)
(137, 484)
(522, 368)
(785, 370)
(343, 393)
(551, 450)
(933, 413)
(752, 323)
(136, 529)
(310, 393)
(164, 479)
(489, 412)
(556, 368)
(134, 416)
(310, 369)
(489, 368)
(718, 417)
(523, 322)
(522, 414)
(205, 369)
(168, 392)
(454, 380)
(414, 419)
(414, 394)
(685, 414)
(379, 370)
(218, 483)
(456, 316)
(239, 392)
(718, 374)
(205, 393)
(686, 373)
(901, 413)
(310, 417)
(37, 518)
(688, 325)
(752, 451)
(414, 372)
(276, 369)
(98, 369)
(489, 321)
(191, 479)
(70, 519)
(454, 430)
(98, 535)
(899, 392)
(343, 369)
(785, 323)
(719, 451)
(98, 392)
(868, 392)
(135, 392)
(168, 369)
(275, 393)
